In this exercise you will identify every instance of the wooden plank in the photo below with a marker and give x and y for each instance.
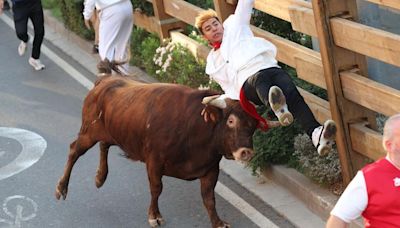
(198, 50)
(287, 50)
(389, 3)
(143, 21)
(182, 10)
(276, 8)
(366, 40)
(366, 141)
(302, 19)
(319, 107)
(370, 94)
(294, 55)
(224, 9)
(309, 68)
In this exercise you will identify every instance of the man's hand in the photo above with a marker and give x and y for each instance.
(87, 24)
(1, 6)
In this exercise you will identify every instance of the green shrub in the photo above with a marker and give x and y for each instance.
(54, 7)
(73, 19)
(145, 6)
(322, 169)
(136, 48)
(176, 64)
(274, 146)
(148, 49)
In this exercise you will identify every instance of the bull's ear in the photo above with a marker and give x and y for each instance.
(216, 100)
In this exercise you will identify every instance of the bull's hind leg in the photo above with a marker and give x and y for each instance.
(102, 170)
(154, 175)
(77, 149)
(207, 184)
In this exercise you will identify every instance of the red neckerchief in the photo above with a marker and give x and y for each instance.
(216, 45)
(251, 110)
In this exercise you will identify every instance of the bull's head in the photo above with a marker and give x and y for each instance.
(235, 127)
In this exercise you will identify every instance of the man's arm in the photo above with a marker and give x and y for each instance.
(1, 6)
(243, 11)
(335, 222)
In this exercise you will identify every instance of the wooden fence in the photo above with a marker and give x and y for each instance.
(340, 66)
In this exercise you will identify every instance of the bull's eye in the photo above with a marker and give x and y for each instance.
(232, 121)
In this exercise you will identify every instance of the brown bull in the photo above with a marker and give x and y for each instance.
(160, 125)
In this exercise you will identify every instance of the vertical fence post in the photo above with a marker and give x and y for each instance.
(334, 60)
(224, 9)
(165, 22)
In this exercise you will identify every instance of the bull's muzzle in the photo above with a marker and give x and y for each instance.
(243, 154)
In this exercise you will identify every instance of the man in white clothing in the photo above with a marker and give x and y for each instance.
(115, 28)
(245, 67)
(374, 192)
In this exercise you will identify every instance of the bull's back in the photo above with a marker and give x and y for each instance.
(149, 117)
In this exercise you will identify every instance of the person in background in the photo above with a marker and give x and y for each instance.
(23, 10)
(115, 28)
(246, 69)
(374, 193)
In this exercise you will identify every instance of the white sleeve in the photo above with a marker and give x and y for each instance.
(353, 201)
(243, 11)
(88, 9)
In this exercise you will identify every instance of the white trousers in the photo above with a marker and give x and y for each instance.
(116, 22)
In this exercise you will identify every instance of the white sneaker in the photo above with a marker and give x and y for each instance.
(22, 48)
(323, 137)
(277, 101)
(36, 64)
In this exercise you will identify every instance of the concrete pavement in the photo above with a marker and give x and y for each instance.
(294, 196)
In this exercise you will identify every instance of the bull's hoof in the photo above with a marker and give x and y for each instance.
(224, 225)
(61, 190)
(156, 222)
(100, 178)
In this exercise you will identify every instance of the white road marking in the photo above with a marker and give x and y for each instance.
(244, 207)
(18, 217)
(33, 147)
(221, 189)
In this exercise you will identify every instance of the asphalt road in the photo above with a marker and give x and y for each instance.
(40, 114)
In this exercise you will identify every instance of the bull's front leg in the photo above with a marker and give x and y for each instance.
(102, 170)
(208, 183)
(155, 175)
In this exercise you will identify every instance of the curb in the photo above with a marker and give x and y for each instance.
(299, 200)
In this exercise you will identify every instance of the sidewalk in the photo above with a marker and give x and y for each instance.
(291, 194)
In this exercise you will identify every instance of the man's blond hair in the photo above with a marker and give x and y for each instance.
(203, 17)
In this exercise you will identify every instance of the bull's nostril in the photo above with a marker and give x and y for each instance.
(246, 155)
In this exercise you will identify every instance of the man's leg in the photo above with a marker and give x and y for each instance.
(321, 135)
(36, 15)
(20, 14)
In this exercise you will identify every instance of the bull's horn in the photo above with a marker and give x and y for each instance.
(215, 100)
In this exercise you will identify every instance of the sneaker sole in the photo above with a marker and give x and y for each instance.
(277, 102)
(330, 134)
(329, 130)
